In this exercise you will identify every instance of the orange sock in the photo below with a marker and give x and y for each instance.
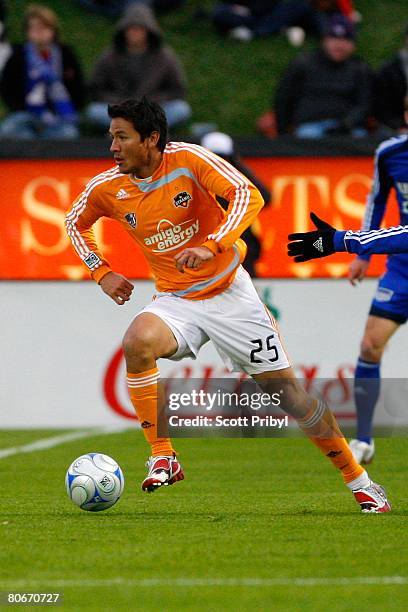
(322, 429)
(144, 394)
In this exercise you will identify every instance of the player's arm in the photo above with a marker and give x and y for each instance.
(79, 223)
(373, 242)
(326, 240)
(374, 213)
(219, 177)
(244, 200)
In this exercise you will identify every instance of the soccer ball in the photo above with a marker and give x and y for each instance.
(94, 482)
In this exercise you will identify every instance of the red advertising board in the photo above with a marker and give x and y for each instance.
(36, 195)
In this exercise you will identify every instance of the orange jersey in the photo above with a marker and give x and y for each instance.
(172, 210)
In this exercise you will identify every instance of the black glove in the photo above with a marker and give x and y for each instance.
(312, 245)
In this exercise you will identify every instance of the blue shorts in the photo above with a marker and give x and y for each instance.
(391, 298)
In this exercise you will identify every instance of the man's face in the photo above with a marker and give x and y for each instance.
(338, 49)
(136, 36)
(129, 151)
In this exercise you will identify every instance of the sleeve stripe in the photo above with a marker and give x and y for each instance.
(377, 234)
(72, 217)
(242, 195)
(368, 216)
(238, 200)
(100, 178)
(383, 231)
(383, 148)
(234, 220)
(75, 236)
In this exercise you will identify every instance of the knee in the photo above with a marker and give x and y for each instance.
(371, 349)
(138, 344)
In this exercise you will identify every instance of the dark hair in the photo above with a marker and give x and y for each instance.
(145, 116)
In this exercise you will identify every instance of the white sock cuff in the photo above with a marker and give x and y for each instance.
(315, 417)
(361, 482)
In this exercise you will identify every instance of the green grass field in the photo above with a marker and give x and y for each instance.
(259, 524)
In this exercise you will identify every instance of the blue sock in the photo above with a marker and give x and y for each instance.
(366, 393)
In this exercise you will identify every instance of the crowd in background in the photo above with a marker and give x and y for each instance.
(323, 92)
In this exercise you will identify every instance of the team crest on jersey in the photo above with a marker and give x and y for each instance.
(182, 199)
(131, 219)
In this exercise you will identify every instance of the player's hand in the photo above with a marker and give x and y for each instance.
(117, 287)
(192, 258)
(357, 270)
(304, 246)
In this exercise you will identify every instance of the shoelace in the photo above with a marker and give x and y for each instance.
(151, 460)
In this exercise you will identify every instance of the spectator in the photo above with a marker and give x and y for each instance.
(391, 87)
(115, 8)
(246, 19)
(326, 91)
(223, 145)
(138, 64)
(42, 82)
(5, 47)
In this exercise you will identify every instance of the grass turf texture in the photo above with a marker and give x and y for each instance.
(253, 508)
(230, 83)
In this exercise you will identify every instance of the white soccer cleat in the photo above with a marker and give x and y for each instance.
(163, 471)
(372, 499)
(362, 451)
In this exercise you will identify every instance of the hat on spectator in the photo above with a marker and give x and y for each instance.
(218, 142)
(340, 27)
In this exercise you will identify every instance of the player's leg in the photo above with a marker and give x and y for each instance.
(377, 333)
(243, 330)
(389, 309)
(168, 327)
(317, 421)
(314, 418)
(147, 339)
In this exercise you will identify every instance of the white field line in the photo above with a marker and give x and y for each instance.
(45, 443)
(205, 582)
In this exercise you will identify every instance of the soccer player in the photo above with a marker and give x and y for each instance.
(163, 195)
(389, 308)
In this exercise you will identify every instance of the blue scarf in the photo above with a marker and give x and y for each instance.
(46, 95)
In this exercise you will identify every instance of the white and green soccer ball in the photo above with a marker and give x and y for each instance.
(94, 482)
